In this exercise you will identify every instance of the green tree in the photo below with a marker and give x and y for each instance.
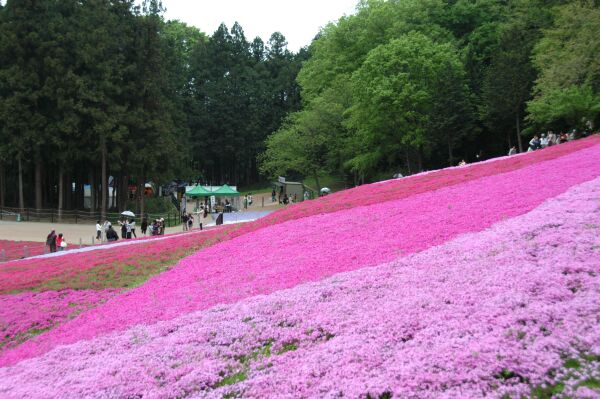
(394, 95)
(569, 83)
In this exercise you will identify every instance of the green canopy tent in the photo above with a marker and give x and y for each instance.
(225, 191)
(198, 192)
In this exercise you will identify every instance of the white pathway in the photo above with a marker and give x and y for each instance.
(240, 218)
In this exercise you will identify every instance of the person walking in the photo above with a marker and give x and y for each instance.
(98, 230)
(190, 221)
(184, 219)
(123, 229)
(61, 243)
(144, 226)
(512, 151)
(127, 230)
(132, 224)
(51, 241)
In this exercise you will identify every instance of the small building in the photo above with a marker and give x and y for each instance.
(293, 190)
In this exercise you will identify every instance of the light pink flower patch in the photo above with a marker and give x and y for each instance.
(493, 313)
(310, 249)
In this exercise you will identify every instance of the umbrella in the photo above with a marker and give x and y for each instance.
(128, 213)
(325, 190)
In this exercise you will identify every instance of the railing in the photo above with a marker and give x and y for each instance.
(78, 216)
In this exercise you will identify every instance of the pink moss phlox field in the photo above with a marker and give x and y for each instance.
(309, 249)
(401, 188)
(33, 312)
(28, 274)
(493, 313)
(15, 249)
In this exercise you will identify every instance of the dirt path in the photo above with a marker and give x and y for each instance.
(35, 231)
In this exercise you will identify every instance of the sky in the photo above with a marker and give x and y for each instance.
(298, 20)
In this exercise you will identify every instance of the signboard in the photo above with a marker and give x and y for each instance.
(281, 179)
(213, 201)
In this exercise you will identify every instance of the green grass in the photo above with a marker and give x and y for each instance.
(233, 379)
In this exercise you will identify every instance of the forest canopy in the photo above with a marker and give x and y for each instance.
(94, 89)
(408, 85)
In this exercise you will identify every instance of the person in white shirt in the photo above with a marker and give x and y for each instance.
(98, 230)
(132, 224)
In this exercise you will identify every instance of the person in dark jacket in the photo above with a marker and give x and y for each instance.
(111, 234)
(51, 241)
(144, 226)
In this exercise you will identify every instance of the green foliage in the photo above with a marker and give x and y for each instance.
(410, 85)
(569, 84)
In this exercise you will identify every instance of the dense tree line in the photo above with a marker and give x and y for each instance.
(96, 88)
(407, 85)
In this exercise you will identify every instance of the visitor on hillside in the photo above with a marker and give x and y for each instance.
(111, 234)
(544, 141)
(246, 201)
(51, 241)
(98, 230)
(190, 221)
(61, 243)
(286, 200)
(132, 224)
(184, 219)
(249, 199)
(227, 206)
(106, 226)
(512, 151)
(273, 195)
(462, 163)
(535, 143)
(123, 230)
(306, 195)
(128, 229)
(552, 139)
(562, 138)
(144, 226)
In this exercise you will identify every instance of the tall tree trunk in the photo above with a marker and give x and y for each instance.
(38, 184)
(408, 161)
(21, 197)
(519, 132)
(2, 185)
(104, 181)
(61, 192)
(420, 158)
(142, 188)
(92, 193)
(317, 181)
(450, 153)
(68, 191)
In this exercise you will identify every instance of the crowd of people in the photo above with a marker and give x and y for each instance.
(56, 242)
(128, 229)
(549, 139)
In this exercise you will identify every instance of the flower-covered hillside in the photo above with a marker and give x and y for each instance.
(133, 265)
(507, 312)
(310, 249)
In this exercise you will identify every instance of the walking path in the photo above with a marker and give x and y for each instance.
(32, 231)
